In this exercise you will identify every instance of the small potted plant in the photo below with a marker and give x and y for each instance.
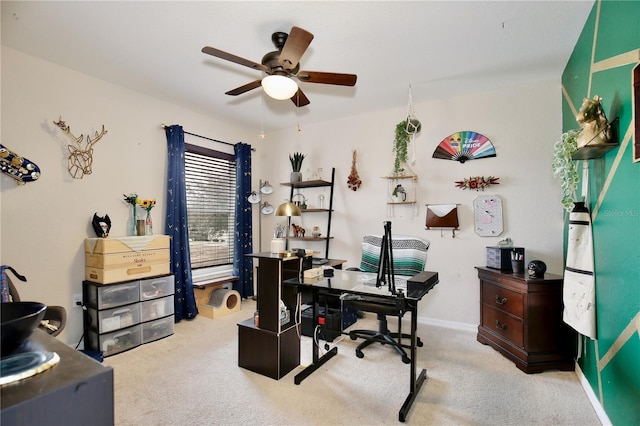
(399, 194)
(296, 165)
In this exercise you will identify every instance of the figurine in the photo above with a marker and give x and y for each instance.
(537, 268)
(298, 231)
(102, 225)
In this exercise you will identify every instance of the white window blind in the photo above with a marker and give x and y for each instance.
(210, 178)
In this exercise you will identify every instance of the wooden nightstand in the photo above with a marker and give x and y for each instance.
(521, 317)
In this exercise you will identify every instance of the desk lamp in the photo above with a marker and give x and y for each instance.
(288, 209)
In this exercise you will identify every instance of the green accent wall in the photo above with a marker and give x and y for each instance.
(612, 363)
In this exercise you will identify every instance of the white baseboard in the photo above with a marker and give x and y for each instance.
(449, 324)
(593, 399)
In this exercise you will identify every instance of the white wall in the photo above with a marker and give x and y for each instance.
(44, 223)
(522, 122)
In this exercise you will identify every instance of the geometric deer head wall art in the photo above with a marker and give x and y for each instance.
(80, 156)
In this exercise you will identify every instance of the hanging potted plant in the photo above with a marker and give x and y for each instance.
(565, 168)
(296, 165)
(404, 130)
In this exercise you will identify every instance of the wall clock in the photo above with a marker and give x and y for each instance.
(487, 215)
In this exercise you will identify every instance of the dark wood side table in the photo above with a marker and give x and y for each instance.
(76, 391)
(521, 317)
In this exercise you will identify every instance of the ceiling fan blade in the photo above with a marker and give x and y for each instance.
(243, 89)
(300, 99)
(327, 78)
(295, 46)
(233, 58)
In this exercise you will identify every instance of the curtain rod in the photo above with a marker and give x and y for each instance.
(204, 137)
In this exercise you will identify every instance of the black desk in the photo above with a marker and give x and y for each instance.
(354, 283)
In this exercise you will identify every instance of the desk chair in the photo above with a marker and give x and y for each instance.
(409, 258)
(55, 317)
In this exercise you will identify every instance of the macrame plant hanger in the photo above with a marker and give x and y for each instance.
(413, 126)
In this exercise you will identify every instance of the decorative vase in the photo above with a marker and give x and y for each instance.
(148, 224)
(295, 177)
(134, 221)
(277, 245)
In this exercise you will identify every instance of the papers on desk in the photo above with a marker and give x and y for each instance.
(401, 283)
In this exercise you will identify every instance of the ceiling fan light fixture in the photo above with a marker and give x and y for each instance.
(279, 87)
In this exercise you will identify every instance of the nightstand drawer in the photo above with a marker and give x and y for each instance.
(501, 323)
(503, 299)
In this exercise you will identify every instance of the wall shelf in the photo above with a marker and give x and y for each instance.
(314, 210)
(307, 184)
(410, 191)
(310, 238)
(316, 183)
(591, 151)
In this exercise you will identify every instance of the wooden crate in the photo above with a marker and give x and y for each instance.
(111, 260)
(126, 244)
(110, 276)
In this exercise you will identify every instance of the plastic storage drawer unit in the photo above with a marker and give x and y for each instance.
(154, 330)
(110, 296)
(117, 341)
(115, 318)
(157, 308)
(153, 288)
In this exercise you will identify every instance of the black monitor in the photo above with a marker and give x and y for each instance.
(385, 263)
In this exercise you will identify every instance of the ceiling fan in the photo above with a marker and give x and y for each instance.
(283, 65)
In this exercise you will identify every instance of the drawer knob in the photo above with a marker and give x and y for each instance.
(500, 326)
(501, 300)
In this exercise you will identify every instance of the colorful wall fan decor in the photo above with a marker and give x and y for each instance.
(463, 146)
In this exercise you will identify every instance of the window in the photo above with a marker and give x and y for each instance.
(210, 178)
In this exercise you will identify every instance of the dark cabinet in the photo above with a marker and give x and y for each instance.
(270, 345)
(521, 317)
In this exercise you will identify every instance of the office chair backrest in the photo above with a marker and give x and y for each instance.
(409, 254)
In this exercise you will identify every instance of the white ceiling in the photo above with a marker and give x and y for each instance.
(440, 48)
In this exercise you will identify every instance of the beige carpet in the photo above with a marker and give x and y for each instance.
(192, 378)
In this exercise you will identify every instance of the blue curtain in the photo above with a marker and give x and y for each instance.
(243, 265)
(176, 226)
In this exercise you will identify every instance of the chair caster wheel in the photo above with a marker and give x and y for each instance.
(406, 359)
(352, 336)
(359, 353)
(419, 343)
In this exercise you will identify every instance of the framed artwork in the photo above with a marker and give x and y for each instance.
(487, 216)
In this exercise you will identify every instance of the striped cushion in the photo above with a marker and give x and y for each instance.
(409, 254)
